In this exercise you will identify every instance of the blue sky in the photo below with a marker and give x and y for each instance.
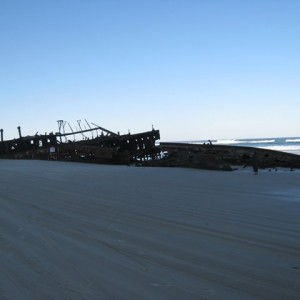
(193, 69)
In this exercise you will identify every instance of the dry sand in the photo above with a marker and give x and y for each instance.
(82, 231)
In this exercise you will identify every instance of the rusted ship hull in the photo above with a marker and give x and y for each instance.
(140, 149)
(221, 157)
(105, 148)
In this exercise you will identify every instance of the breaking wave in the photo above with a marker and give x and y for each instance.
(292, 140)
(260, 141)
(283, 148)
(226, 142)
(257, 141)
(285, 144)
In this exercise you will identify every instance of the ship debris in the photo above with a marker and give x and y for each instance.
(95, 144)
(104, 146)
(222, 157)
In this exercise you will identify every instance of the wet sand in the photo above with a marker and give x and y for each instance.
(83, 231)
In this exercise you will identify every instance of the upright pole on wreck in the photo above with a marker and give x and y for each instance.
(19, 129)
(60, 124)
(1, 132)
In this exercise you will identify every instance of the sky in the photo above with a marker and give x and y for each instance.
(194, 69)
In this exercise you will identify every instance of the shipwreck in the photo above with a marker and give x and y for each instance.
(95, 144)
(102, 146)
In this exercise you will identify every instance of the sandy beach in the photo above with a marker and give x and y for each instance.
(84, 231)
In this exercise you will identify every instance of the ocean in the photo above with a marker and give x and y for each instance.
(285, 144)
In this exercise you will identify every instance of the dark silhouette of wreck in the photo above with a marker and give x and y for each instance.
(141, 149)
(106, 147)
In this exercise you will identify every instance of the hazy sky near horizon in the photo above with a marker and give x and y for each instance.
(193, 69)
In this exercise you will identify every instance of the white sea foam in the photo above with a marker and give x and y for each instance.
(259, 141)
(284, 144)
(292, 140)
(282, 148)
(227, 142)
